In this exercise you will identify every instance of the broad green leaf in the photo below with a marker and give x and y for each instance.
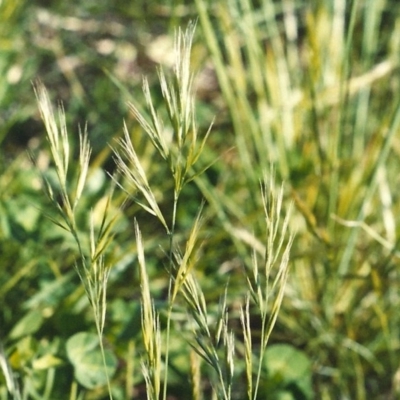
(288, 365)
(29, 324)
(84, 352)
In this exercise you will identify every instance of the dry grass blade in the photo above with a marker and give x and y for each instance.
(150, 328)
(179, 93)
(155, 128)
(59, 148)
(136, 175)
(56, 133)
(195, 375)
(246, 329)
(194, 298)
(186, 263)
(84, 158)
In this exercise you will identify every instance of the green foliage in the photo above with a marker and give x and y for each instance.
(236, 236)
(84, 353)
(288, 372)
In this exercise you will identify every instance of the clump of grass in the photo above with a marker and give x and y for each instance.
(177, 140)
(181, 151)
(307, 87)
(178, 146)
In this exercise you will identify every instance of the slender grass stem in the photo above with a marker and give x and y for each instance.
(168, 333)
(103, 355)
(260, 362)
(170, 300)
(93, 273)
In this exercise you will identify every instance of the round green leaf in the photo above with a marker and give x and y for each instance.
(84, 353)
(287, 365)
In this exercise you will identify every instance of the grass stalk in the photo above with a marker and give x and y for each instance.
(151, 367)
(92, 270)
(268, 295)
(180, 151)
(246, 328)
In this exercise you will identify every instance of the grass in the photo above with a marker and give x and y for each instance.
(238, 242)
